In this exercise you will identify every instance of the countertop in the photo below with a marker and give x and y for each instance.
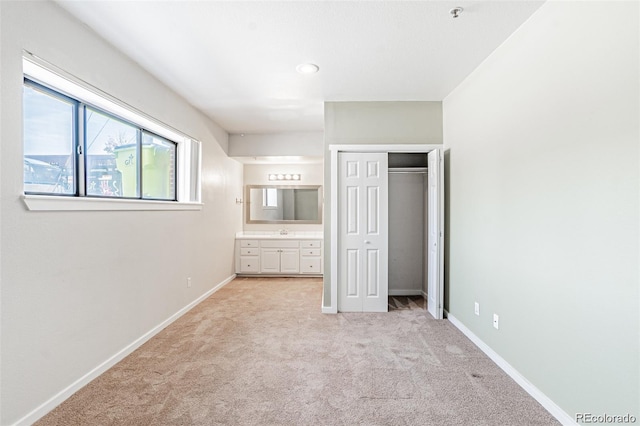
(275, 235)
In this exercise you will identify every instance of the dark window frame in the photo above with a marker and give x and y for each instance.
(79, 150)
(75, 128)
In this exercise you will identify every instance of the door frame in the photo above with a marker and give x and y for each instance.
(333, 224)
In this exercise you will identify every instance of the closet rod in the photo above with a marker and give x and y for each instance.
(421, 170)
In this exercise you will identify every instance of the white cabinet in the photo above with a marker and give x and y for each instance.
(278, 256)
(289, 261)
(280, 260)
(311, 257)
(269, 260)
(248, 257)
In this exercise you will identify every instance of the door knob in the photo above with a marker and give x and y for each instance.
(367, 242)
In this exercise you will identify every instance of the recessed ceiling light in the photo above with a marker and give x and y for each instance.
(307, 68)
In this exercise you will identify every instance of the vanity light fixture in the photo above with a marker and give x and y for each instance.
(287, 176)
(308, 68)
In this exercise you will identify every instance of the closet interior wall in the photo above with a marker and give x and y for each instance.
(407, 224)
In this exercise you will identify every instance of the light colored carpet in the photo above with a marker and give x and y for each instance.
(259, 352)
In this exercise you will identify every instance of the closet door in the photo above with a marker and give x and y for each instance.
(435, 234)
(363, 232)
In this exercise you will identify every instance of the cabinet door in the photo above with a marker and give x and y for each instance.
(290, 261)
(270, 260)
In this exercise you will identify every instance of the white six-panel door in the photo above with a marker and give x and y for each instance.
(363, 232)
(435, 237)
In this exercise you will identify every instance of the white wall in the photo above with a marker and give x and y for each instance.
(258, 174)
(372, 123)
(77, 287)
(544, 186)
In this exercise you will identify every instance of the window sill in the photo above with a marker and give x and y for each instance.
(55, 203)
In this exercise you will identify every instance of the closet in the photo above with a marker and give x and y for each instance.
(407, 224)
(388, 235)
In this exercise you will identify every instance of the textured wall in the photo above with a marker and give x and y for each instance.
(542, 144)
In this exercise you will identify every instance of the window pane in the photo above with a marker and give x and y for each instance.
(158, 167)
(270, 197)
(111, 156)
(48, 143)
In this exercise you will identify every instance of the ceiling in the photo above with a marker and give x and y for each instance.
(236, 60)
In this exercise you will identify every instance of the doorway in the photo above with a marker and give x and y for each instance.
(433, 251)
(407, 225)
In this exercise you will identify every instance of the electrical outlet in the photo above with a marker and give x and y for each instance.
(496, 319)
(188, 282)
(476, 309)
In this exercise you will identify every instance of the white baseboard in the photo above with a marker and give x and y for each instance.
(398, 292)
(525, 384)
(424, 294)
(59, 398)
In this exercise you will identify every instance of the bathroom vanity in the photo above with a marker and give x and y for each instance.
(276, 254)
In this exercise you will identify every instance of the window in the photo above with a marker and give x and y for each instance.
(86, 150)
(270, 197)
(72, 148)
(49, 142)
(111, 155)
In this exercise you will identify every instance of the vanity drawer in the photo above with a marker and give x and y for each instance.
(249, 243)
(249, 264)
(310, 252)
(249, 251)
(311, 244)
(279, 244)
(310, 265)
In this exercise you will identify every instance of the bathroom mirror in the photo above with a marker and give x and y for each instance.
(284, 204)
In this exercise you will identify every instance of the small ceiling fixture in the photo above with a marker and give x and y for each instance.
(308, 68)
(456, 11)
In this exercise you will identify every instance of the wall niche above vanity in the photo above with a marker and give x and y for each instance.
(282, 233)
(280, 204)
